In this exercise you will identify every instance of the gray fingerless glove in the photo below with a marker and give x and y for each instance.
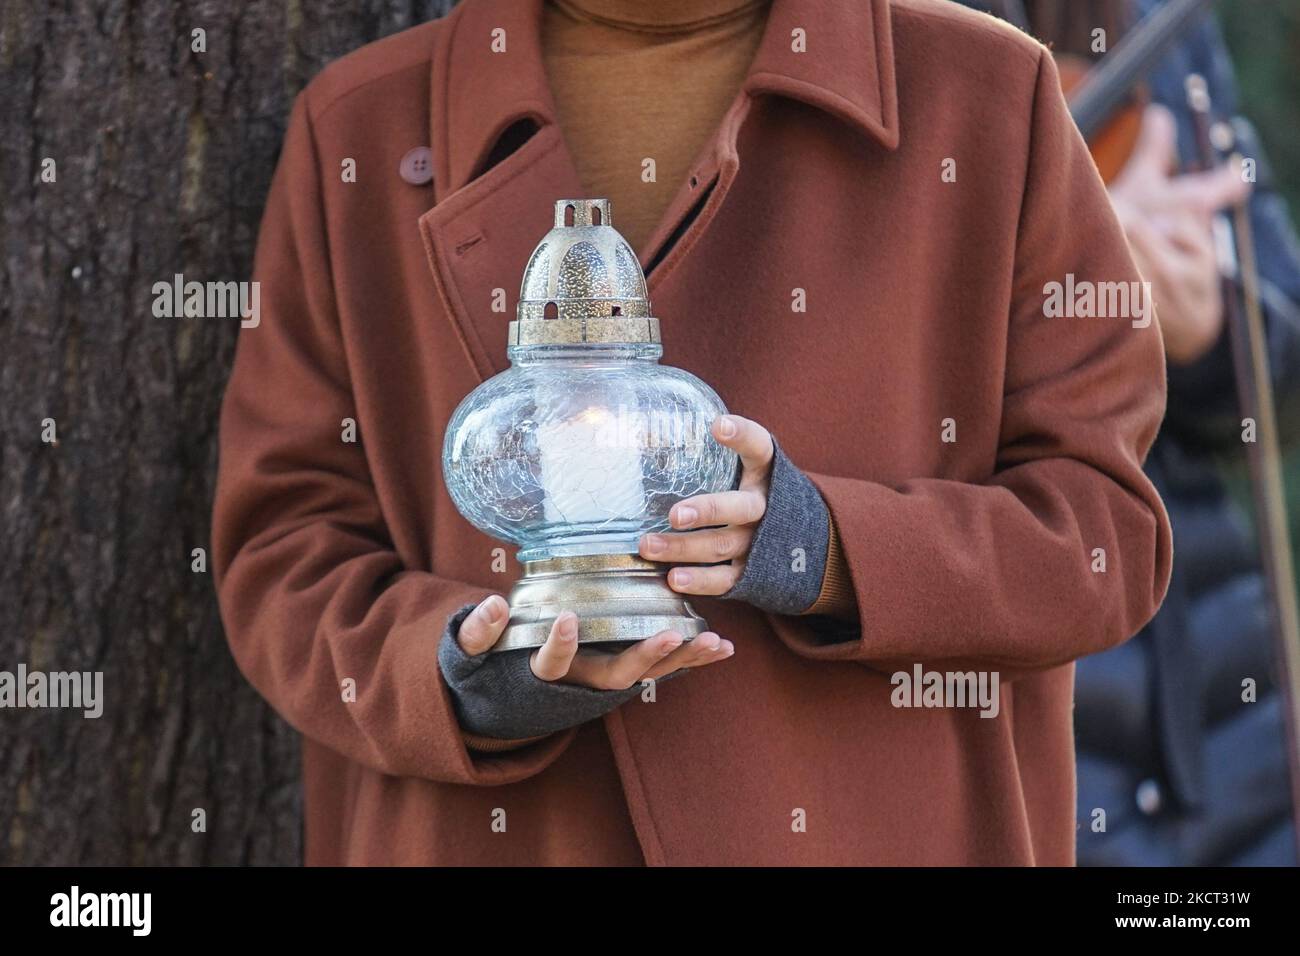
(498, 695)
(796, 517)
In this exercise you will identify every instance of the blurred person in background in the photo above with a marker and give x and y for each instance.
(1186, 771)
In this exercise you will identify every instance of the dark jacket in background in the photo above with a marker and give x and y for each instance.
(1187, 772)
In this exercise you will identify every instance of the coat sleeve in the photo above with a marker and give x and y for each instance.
(1001, 573)
(311, 591)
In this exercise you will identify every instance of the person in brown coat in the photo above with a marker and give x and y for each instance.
(888, 250)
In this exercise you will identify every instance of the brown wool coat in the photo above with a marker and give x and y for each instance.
(924, 302)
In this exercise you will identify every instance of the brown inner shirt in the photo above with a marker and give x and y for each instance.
(639, 87)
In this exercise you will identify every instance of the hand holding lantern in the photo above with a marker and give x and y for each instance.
(586, 442)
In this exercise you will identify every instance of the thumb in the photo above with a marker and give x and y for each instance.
(483, 627)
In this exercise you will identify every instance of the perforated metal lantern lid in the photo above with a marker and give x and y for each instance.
(583, 284)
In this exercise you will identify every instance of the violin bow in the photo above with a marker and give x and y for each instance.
(1235, 243)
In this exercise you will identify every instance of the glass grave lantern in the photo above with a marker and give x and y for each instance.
(585, 442)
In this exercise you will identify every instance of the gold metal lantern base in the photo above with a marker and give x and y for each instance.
(617, 597)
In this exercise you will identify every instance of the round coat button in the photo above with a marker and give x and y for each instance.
(1149, 798)
(416, 166)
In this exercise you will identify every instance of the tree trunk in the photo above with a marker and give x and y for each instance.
(162, 156)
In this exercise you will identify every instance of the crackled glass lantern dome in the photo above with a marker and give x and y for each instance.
(586, 441)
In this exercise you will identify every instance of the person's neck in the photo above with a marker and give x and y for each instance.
(669, 16)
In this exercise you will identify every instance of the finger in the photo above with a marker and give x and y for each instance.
(725, 507)
(698, 547)
(706, 649)
(1156, 148)
(483, 627)
(1150, 247)
(1142, 239)
(718, 579)
(1191, 236)
(750, 440)
(1208, 192)
(551, 661)
(619, 671)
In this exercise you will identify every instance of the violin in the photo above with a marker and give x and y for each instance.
(1112, 141)
(1107, 98)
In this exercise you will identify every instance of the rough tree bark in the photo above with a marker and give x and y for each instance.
(163, 156)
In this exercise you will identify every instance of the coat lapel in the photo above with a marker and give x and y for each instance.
(479, 239)
(487, 77)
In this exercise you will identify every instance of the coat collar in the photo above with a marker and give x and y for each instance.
(847, 70)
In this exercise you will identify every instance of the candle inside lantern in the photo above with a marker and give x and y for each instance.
(590, 469)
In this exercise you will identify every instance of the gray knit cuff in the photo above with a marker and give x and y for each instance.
(787, 560)
(498, 695)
